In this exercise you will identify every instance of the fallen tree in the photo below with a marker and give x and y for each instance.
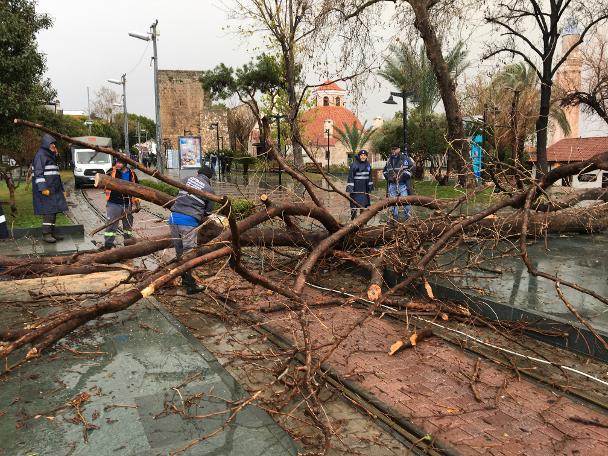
(313, 236)
(431, 234)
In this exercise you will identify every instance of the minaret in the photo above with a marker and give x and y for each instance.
(569, 78)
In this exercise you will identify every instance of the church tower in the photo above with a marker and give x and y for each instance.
(330, 94)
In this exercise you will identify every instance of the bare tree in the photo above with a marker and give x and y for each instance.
(303, 30)
(532, 30)
(429, 16)
(103, 103)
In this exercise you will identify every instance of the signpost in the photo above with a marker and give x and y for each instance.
(190, 154)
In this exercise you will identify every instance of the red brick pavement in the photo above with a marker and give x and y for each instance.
(428, 384)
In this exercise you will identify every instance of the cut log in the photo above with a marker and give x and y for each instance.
(98, 282)
(137, 190)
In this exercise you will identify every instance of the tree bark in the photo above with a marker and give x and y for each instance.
(542, 125)
(137, 190)
(447, 87)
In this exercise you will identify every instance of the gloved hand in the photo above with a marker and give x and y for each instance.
(65, 195)
(136, 205)
(45, 192)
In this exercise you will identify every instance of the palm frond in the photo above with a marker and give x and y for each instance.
(409, 69)
(559, 116)
(352, 137)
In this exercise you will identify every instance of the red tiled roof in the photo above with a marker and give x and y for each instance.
(313, 123)
(575, 149)
(329, 86)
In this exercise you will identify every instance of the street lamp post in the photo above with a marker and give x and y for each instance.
(404, 96)
(278, 118)
(216, 126)
(327, 153)
(153, 35)
(123, 82)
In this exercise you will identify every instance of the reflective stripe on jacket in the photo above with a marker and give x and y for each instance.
(46, 176)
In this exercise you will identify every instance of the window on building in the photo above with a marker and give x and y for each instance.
(325, 101)
(337, 101)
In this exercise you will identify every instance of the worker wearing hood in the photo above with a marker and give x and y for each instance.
(47, 188)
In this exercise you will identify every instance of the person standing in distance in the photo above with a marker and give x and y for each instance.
(47, 191)
(118, 203)
(359, 183)
(398, 173)
(187, 213)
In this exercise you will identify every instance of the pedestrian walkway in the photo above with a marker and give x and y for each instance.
(135, 383)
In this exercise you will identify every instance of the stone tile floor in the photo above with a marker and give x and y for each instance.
(143, 360)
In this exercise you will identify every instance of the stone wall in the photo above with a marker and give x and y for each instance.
(185, 109)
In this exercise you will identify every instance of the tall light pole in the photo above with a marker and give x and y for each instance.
(153, 35)
(391, 101)
(216, 126)
(278, 118)
(327, 153)
(123, 82)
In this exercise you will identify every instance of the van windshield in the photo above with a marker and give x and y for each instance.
(92, 157)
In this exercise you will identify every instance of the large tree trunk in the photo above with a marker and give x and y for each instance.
(542, 124)
(139, 191)
(294, 108)
(459, 148)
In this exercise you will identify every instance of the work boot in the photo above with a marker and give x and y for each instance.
(57, 236)
(48, 237)
(190, 284)
(107, 246)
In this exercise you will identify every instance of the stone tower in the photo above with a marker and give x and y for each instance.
(185, 109)
(569, 78)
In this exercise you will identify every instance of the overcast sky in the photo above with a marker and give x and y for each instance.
(89, 44)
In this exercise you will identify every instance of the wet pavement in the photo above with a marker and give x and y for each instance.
(71, 243)
(127, 375)
(579, 259)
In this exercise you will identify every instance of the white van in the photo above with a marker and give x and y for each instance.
(88, 162)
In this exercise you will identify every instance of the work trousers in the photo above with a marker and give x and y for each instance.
(399, 190)
(48, 223)
(184, 238)
(114, 211)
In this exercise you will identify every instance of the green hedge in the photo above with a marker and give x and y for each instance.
(241, 206)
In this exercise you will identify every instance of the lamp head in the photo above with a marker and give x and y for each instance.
(390, 101)
(115, 81)
(141, 36)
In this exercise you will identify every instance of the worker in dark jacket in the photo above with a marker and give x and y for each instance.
(118, 203)
(187, 213)
(359, 184)
(47, 189)
(398, 173)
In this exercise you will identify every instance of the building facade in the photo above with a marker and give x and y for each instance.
(320, 124)
(570, 150)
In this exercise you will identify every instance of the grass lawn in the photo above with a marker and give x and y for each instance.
(433, 189)
(25, 217)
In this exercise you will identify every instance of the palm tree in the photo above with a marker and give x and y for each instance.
(522, 81)
(410, 70)
(353, 137)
